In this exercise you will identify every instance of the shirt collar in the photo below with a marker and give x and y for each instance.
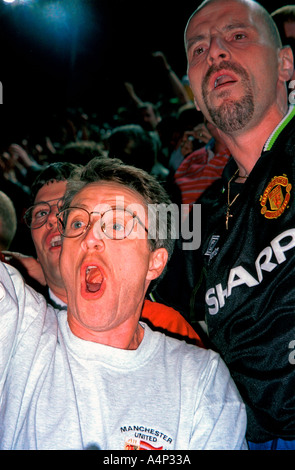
(276, 132)
(56, 302)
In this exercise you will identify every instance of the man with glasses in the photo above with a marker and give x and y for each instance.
(44, 275)
(96, 376)
(47, 194)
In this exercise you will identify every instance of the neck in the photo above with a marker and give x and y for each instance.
(59, 292)
(219, 146)
(246, 146)
(127, 335)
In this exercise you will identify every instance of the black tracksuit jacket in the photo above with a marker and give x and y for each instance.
(242, 282)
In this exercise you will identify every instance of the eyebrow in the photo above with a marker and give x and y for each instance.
(229, 27)
(109, 207)
(236, 25)
(194, 40)
(50, 200)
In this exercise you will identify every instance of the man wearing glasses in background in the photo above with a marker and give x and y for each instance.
(96, 376)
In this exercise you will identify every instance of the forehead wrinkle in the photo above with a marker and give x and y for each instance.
(254, 13)
(232, 26)
(42, 201)
(236, 25)
(109, 195)
(228, 27)
(116, 202)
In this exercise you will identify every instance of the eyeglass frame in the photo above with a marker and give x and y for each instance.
(25, 217)
(87, 227)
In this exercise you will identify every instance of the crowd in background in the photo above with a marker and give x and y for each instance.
(154, 136)
(169, 138)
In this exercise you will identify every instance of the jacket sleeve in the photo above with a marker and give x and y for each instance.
(20, 305)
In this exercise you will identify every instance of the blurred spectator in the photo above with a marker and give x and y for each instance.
(202, 167)
(23, 166)
(148, 116)
(135, 146)
(19, 194)
(192, 134)
(80, 152)
(284, 18)
(177, 86)
(8, 221)
(186, 84)
(145, 113)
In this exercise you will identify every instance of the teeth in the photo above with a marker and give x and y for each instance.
(89, 268)
(223, 79)
(56, 241)
(216, 81)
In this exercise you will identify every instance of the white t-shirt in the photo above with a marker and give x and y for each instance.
(61, 392)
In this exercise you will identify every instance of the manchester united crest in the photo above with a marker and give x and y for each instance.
(276, 197)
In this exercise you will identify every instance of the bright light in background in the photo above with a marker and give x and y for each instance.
(55, 11)
(17, 1)
(56, 29)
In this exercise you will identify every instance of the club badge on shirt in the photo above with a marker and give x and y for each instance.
(276, 197)
(138, 444)
(212, 248)
(139, 437)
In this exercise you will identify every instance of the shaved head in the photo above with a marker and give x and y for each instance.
(261, 12)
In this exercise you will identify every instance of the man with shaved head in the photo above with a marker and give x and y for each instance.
(238, 71)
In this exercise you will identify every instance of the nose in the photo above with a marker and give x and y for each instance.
(217, 50)
(93, 238)
(51, 219)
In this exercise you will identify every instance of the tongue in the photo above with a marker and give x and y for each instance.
(94, 280)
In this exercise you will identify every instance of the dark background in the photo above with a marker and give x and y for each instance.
(60, 53)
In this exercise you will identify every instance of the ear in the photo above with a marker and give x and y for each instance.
(158, 261)
(286, 63)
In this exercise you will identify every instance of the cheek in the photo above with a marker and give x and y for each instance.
(192, 77)
(131, 266)
(37, 240)
(196, 87)
(65, 261)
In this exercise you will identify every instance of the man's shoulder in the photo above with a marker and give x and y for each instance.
(13, 286)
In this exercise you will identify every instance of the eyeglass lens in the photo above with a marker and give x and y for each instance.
(37, 215)
(115, 223)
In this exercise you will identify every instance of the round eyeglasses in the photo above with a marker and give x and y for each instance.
(37, 215)
(116, 224)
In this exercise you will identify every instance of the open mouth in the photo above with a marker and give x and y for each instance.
(55, 241)
(223, 79)
(93, 279)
